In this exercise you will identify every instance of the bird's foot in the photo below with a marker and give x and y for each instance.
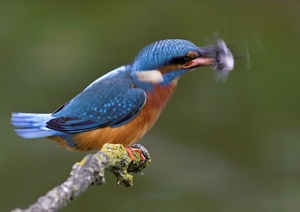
(121, 163)
(143, 153)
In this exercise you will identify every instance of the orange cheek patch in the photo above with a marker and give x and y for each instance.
(192, 54)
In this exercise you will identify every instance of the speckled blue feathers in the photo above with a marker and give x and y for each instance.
(108, 102)
(112, 100)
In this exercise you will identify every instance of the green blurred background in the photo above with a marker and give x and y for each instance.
(217, 147)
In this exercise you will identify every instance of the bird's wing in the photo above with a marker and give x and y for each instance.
(108, 102)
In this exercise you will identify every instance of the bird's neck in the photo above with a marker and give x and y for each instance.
(148, 80)
(158, 97)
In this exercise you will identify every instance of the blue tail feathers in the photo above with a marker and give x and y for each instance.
(32, 125)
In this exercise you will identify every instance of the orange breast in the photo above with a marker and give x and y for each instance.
(131, 132)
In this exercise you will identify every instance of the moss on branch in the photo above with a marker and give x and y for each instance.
(90, 171)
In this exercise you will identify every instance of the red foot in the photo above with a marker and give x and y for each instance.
(130, 150)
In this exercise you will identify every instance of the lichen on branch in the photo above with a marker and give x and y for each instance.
(90, 171)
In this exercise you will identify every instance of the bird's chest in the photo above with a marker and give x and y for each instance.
(144, 121)
(156, 101)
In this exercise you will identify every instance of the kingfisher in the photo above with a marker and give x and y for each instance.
(124, 104)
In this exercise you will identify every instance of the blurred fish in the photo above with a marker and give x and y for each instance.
(224, 61)
(228, 58)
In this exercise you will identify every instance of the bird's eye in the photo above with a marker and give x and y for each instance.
(186, 59)
(180, 60)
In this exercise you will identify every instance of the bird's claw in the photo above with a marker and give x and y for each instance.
(143, 157)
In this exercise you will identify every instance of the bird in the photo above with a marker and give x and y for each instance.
(124, 104)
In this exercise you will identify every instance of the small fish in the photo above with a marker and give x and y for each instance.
(224, 61)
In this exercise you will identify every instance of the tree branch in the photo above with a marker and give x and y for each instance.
(90, 171)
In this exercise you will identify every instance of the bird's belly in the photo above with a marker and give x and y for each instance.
(130, 132)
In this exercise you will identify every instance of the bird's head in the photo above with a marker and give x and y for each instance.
(163, 61)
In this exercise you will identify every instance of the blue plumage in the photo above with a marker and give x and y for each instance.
(161, 53)
(116, 98)
(112, 100)
(109, 101)
(32, 125)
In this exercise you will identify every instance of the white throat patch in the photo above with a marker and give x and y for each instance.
(151, 76)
